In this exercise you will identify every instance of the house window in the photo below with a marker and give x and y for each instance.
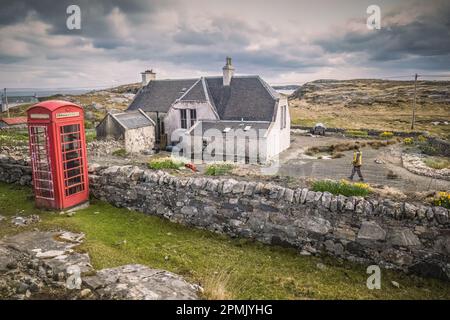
(283, 117)
(183, 116)
(193, 114)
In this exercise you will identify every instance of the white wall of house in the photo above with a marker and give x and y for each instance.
(279, 137)
(172, 121)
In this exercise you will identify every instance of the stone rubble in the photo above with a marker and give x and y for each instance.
(415, 164)
(40, 265)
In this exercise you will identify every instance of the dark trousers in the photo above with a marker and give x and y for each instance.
(356, 169)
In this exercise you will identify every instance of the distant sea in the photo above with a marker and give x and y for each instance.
(286, 92)
(43, 92)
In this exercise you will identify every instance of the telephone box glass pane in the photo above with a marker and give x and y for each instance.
(42, 174)
(72, 159)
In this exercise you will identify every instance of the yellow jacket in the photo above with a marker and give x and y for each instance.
(357, 158)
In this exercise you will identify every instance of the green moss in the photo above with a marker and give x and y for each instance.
(231, 268)
(120, 153)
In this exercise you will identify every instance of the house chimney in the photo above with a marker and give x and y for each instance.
(228, 72)
(147, 76)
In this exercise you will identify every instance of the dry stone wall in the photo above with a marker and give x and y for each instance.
(407, 236)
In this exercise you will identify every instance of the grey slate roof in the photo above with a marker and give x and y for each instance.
(159, 95)
(196, 93)
(247, 97)
(133, 119)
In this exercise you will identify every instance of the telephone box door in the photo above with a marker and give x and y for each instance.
(72, 163)
(41, 161)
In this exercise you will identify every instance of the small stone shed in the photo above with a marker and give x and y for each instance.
(134, 128)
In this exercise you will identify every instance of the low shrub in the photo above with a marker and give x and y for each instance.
(120, 153)
(428, 149)
(90, 136)
(165, 163)
(408, 141)
(219, 169)
(422, 139)
(356, 133)
(386, 135)
(442, 199)
(342, 187)
(437, 163)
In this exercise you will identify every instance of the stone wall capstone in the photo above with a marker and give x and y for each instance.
(406, 236)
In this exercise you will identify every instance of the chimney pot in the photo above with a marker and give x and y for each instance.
(147, 76)
(228, 72)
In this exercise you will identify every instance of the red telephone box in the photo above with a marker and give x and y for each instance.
(58, 154)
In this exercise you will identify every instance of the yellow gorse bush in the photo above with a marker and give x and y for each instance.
(386, 134)
(408, 141)
(361, 185)
(442, 199)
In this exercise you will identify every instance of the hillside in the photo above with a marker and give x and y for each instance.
(375, 104)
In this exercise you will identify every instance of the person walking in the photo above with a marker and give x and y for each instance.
(357, 163)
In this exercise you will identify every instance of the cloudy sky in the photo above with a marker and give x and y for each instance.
(284, 41)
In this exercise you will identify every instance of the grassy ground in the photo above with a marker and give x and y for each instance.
(379, 118)
(226, 268)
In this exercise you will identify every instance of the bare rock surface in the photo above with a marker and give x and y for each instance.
(37, 261)
(138, 282)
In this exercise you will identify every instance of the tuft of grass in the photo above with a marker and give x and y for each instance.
(437, 163)
(342, 187)
(226, 267)
(356, 133)
(13, 137)
(219, 169)
(165, 163)
(216, 285)
(120, 153)
(90, 135)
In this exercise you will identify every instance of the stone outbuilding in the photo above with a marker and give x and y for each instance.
(135, 128)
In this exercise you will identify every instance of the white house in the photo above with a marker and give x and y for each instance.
(227, 103)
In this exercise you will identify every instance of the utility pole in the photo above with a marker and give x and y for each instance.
(414, 103)
(6, 103)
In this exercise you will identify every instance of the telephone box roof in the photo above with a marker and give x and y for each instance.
(52, 105)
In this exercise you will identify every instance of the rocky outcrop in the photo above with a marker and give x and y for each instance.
(45, 264)
(372, 92)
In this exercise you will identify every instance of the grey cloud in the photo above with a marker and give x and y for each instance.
(426, 36)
